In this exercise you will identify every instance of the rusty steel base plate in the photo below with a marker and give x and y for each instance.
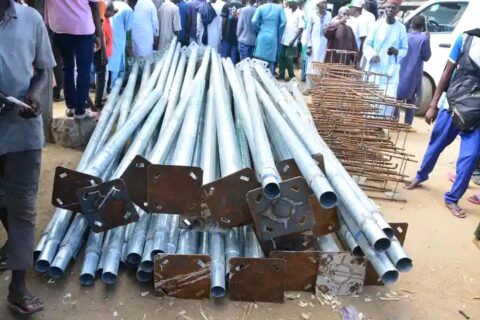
(65, 186)
(288, 168)
(226, 198)
(340, 274)
(174, 189)
(257, 279)
(326, 220)
(293, 242)
(107, 205)
(289, 213)
(135, 178)
(184, 276)
(371, 277)
(301, 269)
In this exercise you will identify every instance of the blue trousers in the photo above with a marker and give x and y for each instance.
(245, 51)
(443, 134)
(76, 51)
(228, 49)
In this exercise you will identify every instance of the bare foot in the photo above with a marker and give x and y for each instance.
(456, 210)
(412, 184)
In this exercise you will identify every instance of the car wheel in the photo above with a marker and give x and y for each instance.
(423, 102)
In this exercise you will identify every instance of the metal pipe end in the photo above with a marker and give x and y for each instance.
(147, 266)
(217, 292)
(404, 264)
(328, 199)
(55, 272)
(109, 277)
(144, 276)
(271, 190)
(382, 244)
(390, 277)
(36, 254)
(358, 252)
(389, 232)
(87, 279)
(42, 266)
(134, 259)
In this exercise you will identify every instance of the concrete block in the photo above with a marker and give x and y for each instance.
(72, 133)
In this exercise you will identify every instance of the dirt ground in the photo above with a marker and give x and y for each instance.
(445, 278)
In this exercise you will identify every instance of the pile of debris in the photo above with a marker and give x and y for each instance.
(349, 111)
(208, 178)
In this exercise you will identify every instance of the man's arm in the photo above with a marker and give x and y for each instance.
(156, 27)
(38, 84)
(240, 23)
(100, 43)
(431, 114)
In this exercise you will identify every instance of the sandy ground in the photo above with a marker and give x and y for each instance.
(445, 278)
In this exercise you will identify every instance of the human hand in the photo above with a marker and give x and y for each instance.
(392, 51)
(309, 51)
(376, 59)
(32, 106)
(431, 114)
(98, 43)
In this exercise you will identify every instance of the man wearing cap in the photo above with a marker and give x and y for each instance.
(269, 21)
(384, 48)
(316, 40)
(293, 31)
(361, 23)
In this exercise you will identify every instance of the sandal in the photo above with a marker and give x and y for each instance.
(475, 199)
(456, 210)
(26, 304)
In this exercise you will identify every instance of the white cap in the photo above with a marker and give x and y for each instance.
(358, 3)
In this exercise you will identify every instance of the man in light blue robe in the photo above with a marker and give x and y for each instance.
(121, 23)
(384, 48)
(269, 21)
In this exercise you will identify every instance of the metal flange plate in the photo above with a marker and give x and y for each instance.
(226, 198)
(301, 269)
(65, 186)
(182, 276)
(174, 189)
(289, 213)
(288, 168)
(371, 277)
(257, 279)
(135, 177)
(107, 205)
(326, 220)
(340, 274)
(303, 241)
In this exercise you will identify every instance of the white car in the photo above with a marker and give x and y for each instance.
(446, 19)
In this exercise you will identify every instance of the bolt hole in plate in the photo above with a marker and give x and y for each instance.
(228, 204)
(65, 186)
(301, 269)
(184, 276)
(177, 191)
(107, 205)
(289, 213)
(257, 279)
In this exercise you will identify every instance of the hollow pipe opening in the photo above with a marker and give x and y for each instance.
(271, 190)
(36, 254)
(109, 277)
(147, 266)
(134, 259)
(390, 277)
(404, 264)
(144, 276)
(217, 292)
(389, 232)
(328, 199)
(382, 245)
(157, 251)
(42, 266)
(357, 252)
(55, 272)
(87, 279)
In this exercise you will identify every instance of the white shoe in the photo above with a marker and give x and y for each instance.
(89, 114)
